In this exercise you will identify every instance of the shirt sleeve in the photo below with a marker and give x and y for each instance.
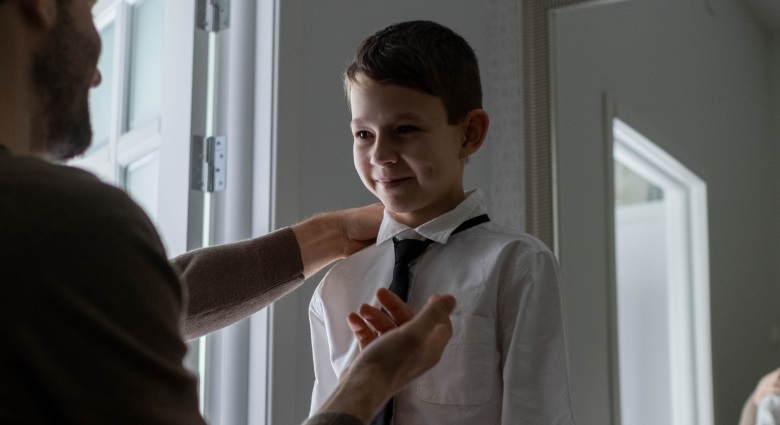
(229, 282)
(532, 343)
(768, 411)
(325, 379)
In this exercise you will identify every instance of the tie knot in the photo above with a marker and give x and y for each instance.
(407, 250)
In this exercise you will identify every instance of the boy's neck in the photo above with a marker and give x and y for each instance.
(416, 219)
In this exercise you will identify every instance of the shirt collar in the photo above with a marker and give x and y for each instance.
(440, 228)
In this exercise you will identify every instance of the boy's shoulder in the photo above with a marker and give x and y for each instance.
(354, 280)
(367, 257)
(485, 239)
(502, 236)
(374, 260)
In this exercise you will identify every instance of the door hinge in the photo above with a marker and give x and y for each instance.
(208, 163)
(213, 15)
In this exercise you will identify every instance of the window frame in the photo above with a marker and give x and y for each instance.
(234, 369)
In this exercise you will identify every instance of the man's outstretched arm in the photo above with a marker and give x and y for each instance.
(413, 345)
(227, 283)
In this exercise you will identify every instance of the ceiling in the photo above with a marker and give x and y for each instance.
(766, 12)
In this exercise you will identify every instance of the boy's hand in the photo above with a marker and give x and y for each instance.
(371, 322)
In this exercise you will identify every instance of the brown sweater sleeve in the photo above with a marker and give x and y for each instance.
(229, 282)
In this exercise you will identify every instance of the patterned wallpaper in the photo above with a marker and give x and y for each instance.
(502, 77)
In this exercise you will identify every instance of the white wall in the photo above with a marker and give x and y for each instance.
(694, 77)
(775, 92)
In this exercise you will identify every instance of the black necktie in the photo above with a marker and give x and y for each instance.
(406, 250)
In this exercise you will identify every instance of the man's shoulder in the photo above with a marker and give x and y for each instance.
(30, 186)
(25, 170)
(43, 201)
(63, 227)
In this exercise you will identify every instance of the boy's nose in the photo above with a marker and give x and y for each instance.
(383, 153)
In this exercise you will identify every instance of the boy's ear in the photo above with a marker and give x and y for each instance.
(475, 128)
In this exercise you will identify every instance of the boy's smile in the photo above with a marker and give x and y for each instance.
(405, 151)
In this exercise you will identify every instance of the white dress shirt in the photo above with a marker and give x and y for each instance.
(506, 361)
(768, 411)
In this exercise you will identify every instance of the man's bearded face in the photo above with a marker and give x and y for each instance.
(63, 70)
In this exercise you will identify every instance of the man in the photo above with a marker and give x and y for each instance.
(91, 309)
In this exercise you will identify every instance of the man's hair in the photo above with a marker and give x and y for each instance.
(424, 56)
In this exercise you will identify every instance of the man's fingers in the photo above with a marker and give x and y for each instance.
(361, 226)
(364, 334)
(440, 306)
(395, 307)
(439, 337)
(436, 313)
(431, 326)
(376, 318)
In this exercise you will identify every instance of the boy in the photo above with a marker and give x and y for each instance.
(415, 96)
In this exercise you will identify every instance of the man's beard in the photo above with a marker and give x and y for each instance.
(59, 72)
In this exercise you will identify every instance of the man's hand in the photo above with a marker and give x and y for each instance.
(360, 227)
(328, 237)
(372, 322)
(392, 360)
(768, 385)
(406, 346)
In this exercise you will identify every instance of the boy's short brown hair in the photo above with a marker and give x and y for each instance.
(424, 56)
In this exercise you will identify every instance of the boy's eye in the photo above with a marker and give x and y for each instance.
(406, 129)
(362, 134)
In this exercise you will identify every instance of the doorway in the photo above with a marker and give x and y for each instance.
(661, 286)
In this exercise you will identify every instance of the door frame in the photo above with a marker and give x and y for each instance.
(685, 198)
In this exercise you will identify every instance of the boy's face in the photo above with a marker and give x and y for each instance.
(405, 151)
